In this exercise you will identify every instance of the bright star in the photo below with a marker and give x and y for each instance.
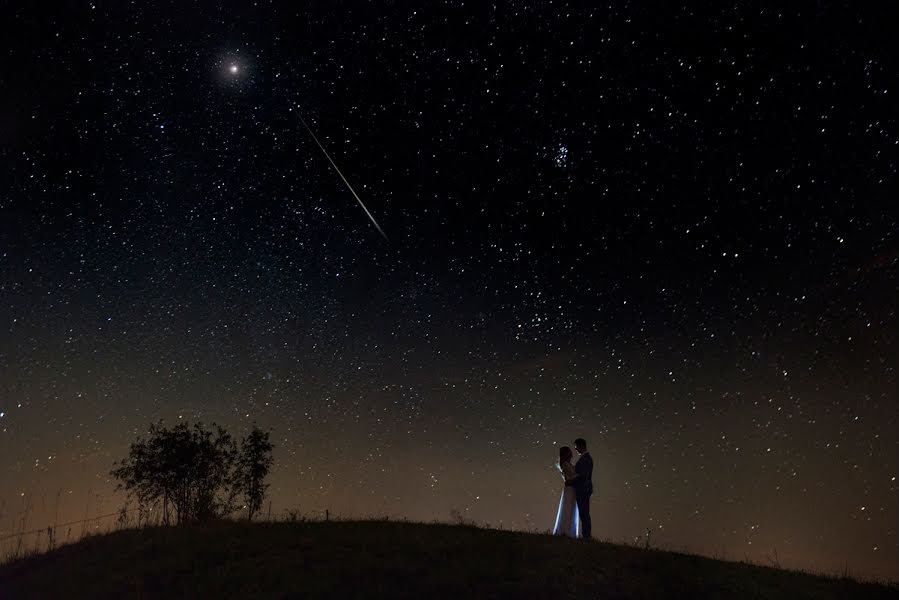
(233, 70)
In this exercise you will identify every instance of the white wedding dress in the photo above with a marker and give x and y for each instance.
(567, 522)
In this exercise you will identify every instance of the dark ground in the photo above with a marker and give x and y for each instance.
(391, 560)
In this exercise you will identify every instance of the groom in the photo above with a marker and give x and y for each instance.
(583, 485)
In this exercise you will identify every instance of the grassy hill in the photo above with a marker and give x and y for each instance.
(391, 560)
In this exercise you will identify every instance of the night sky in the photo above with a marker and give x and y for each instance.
(671, 231)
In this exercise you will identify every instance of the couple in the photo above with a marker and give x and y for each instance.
(575, 501)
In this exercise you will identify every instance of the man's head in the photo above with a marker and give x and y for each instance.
(580, 445)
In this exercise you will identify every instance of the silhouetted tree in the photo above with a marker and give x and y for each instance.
(253, 464)
(194, 473)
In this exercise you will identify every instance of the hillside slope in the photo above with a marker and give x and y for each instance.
(390, 560)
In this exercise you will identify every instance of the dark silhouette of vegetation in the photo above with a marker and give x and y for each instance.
(253, 464)
(194, 474)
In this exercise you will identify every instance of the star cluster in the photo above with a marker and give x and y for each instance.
(672, 233)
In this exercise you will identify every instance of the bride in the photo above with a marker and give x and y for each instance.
(566, 518)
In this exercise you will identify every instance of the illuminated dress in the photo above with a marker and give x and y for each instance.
(567, 522)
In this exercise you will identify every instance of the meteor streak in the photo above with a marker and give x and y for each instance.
(349, 187)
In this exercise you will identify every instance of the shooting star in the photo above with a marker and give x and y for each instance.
(349, 187)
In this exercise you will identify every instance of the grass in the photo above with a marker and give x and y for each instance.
(379, 559)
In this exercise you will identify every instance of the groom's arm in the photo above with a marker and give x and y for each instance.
(578, 477)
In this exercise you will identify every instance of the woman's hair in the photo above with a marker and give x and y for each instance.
(565, 454)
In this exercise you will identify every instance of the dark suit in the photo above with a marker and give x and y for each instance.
(583, 489)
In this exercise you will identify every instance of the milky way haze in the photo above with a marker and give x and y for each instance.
(672, 233)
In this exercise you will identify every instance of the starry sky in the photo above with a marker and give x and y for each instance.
(671, 231)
